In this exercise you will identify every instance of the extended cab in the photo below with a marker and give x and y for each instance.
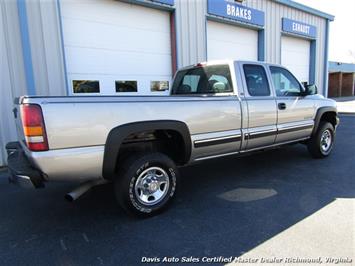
(214, 109)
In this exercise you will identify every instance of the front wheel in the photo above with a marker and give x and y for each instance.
(321, 144)
(146, 184)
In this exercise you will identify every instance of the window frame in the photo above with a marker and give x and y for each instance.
(274, 87)
(245, 84)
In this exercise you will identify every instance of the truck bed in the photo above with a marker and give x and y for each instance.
(86, 121)
(77, 127)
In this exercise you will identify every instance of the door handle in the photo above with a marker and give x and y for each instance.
(282, 106)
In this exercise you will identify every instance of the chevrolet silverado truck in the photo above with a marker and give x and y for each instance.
(137, 143)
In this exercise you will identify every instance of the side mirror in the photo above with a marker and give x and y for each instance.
(311, 89)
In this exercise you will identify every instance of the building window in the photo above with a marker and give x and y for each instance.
(159, 85)
(86, 86)
(126, 86)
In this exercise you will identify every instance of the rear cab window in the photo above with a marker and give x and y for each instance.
(214, 79)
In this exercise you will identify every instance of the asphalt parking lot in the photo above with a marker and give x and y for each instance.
(225, 207)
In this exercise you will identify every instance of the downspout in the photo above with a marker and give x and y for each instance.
(326, 63)
(26, 47)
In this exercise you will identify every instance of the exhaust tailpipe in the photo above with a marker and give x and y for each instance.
(83, 188)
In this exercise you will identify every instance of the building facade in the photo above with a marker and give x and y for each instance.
(111, 47)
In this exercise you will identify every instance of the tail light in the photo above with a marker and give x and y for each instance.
(33, 127)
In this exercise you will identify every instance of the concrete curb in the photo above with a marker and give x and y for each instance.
(344, 99)
(346, 114)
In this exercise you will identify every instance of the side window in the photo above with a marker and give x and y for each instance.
(284, 82)
(203, 80)
(256, 79)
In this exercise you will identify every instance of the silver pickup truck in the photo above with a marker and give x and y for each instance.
(214, 109)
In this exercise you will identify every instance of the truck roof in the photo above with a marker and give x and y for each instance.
(227, 61)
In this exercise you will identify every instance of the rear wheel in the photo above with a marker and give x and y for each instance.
(321, 144)
(146, 184)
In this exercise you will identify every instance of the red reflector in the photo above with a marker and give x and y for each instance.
(41, 146)
(34, 129)
(31, 115)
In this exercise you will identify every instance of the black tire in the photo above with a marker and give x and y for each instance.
(133, 176)
(315, 147)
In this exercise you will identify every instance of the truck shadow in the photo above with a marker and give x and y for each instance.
(225, 207)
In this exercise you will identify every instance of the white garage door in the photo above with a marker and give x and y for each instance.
(295, 54)
(231, 42)
(110, 41)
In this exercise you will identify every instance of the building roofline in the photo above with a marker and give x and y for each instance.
(305, 8)
(341, 67)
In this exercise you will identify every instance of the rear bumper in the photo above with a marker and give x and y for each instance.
(20, 169)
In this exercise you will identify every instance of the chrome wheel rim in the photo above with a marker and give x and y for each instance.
(152, 186)
(326, 141)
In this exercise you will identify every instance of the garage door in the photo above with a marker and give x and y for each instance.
(231, 42)
(112, 47)
(295, 54)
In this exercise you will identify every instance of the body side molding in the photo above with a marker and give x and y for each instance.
(216, 141)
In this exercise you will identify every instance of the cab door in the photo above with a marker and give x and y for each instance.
(295, 113)
(261, 107)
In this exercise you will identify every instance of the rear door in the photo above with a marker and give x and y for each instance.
(261, 107)
(215, 117)
(295, 112)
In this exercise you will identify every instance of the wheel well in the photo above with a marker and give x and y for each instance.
(166, 136)
(169, 142)
(329, 117)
